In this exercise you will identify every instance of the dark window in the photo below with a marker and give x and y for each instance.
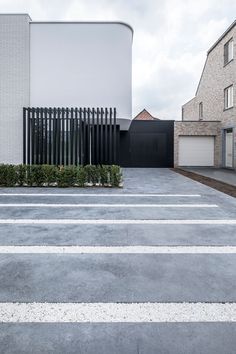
(228, 51)
(200, 111)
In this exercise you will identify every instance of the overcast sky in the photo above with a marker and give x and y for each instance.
(171, 38)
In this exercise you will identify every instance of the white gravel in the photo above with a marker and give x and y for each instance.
(117, 312)
(56, 205)
(95, 195)
(120, 221)
(118, 249)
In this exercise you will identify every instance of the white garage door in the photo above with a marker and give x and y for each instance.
(196, 151)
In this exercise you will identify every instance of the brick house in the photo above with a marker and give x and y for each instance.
(145, 115)
(206, 136)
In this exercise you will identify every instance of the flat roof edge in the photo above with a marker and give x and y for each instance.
(15, 14)
(199, 121)
(86, 22)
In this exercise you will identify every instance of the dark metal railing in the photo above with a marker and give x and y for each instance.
(70, 136)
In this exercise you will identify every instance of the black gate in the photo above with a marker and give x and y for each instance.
(147, 144)
(70, 136)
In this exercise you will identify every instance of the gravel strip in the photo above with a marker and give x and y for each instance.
(117, 312)
(118, 249)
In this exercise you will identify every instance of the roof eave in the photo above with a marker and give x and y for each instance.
(222, 36)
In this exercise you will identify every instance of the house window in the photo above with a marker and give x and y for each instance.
(182, 113)
(200, 111)
(229, 101)
(228, 51)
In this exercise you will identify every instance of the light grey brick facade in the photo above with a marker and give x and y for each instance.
(189, 110)
(198, 129)
(14, 84)
(215, 78)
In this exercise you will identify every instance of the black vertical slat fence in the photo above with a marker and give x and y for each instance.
(70, 136)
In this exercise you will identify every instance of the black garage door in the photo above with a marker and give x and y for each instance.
(147, 144)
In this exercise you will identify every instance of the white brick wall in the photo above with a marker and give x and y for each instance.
(14, 84)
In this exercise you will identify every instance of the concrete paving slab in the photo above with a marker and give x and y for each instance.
(118, 278)
(179, 338)
(115, 213)
(161, 180)
(118, 235)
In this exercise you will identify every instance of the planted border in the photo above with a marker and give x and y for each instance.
(60, 176)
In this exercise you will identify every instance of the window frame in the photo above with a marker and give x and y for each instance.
(226, 97)
(227, 58)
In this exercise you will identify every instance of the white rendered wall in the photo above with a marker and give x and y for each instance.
(81, 65)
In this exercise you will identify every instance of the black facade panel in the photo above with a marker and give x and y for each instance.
(147, 144)
(92, 136)
(69, 136)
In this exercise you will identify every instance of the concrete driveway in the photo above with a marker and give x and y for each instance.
(220, 174)
(149, 268)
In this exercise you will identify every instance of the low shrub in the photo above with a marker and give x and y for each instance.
(8, 175)
(29, 176)
(66, 176)
(81, 177)
(21, 171)
(115, 176)
(92, 174)
(61, 176)
(104, 173)
(50, 174)
(37, 177)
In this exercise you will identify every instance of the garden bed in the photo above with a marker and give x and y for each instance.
(60, 176)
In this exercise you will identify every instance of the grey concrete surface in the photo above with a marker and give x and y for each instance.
(118, 235)
(220, 174)
(115, 213)
(118, 278)
(164, 338)
(125, 278)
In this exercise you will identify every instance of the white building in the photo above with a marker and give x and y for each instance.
(60, 64)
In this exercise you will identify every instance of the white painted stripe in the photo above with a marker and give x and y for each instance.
(118, 249)
(118, 222)
(39, 205)
(94, 195)
(117, 312)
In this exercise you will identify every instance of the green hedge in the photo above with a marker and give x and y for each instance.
(60, 176)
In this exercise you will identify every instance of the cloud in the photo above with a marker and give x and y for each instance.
(171, 38)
